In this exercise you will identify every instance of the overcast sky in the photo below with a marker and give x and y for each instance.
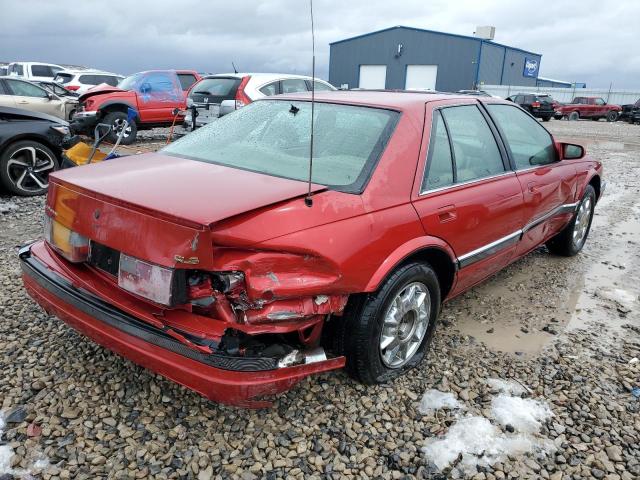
(593, 41)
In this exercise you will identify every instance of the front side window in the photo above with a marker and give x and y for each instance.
(600, 101)
(293, 85)
(475, 151)
(530, 144)
(273, 137)
(439, 167)
(24, 89)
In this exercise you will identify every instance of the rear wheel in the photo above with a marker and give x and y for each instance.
(25, 167)
(574, 116)
(572, 238)
(546, 118)
(388, 332)
(612, 116)
(117, 121)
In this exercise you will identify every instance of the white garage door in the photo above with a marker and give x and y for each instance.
(373, 76)
(421, 77)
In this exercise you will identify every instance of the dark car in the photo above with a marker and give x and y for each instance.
(538, 105)
(630, 112)
(30, 149)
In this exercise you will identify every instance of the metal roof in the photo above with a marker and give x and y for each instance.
(423, 30)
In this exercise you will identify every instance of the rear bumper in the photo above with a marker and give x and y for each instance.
(147, 346)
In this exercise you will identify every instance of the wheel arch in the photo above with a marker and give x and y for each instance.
(430, 250)
(117, 106)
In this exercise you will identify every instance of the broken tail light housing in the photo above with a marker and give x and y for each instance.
(161, 285)
(71, 245)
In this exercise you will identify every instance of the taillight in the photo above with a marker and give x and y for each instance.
(71, 245)
(535, 104)
(241, 97)
(73, 87)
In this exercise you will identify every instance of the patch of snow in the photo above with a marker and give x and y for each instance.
(481, 444)
(474, 441)
(7, 206)
(435, 399)
(505, 386)
(523, 414)
(6, 452)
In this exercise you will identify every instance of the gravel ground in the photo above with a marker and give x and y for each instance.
(564, 332)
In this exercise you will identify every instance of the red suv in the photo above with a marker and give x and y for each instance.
(154, 95)
(594, 108)
(216, 264)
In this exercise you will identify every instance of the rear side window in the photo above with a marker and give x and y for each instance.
(293, 85)
(63, 78)
(270, 89)
(475, 151)
(41, 71)
(529, 99)
(186, 80)
(439, 171)
(529, 143)
(25, 89)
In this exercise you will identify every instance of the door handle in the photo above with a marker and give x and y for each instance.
(532, 187)
(23, 102)
(447, 214)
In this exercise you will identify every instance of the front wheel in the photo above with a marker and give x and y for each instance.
(612, 116)
(386, 333)
(546, 118)
(572, 238)
(117, 121)
(25, 167)
(574, 116)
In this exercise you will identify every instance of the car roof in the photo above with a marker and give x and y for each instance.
(263, 76)
(391, 99)
(88, 72)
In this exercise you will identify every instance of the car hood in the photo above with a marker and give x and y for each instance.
(101, 89)
(20, 114)
(180, 190)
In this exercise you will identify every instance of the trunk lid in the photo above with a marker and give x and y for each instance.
(158, 207)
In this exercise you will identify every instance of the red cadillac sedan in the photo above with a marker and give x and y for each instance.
(204, 262)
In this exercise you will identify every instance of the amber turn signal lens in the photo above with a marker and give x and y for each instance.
(71, 245)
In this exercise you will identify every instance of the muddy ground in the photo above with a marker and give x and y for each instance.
(566, 330)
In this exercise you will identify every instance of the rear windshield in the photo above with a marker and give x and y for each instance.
(273, 137)
(92, 79)
(215, 89)
(63, 78)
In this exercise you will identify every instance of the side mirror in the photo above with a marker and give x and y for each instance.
(571, 151)
(51, 96)
(145, 88)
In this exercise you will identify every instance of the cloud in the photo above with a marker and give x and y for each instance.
(585, 40)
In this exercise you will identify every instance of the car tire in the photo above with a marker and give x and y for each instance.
(572, 238)
(25, 167)
(369, 322)
(612, 116)
(116, 120)
(546, 118)
(574, 116)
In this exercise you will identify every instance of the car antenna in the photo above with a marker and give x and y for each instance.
(235, 70)
(308, 201)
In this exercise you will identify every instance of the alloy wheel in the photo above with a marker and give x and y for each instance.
(583, 219)
(405, 324)
(118, 125)
(29, 169)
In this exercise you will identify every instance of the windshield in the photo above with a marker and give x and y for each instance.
(273, 137)
(130, 82)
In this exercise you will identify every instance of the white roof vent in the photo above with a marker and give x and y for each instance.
(486, 32)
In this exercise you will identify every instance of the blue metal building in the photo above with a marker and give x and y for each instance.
(405, 57)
